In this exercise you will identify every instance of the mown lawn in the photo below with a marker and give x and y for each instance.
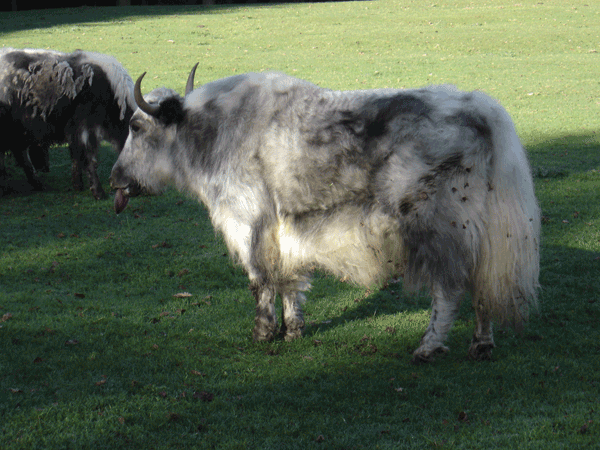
(134, 331)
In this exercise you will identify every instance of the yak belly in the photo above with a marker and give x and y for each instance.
(351, 242)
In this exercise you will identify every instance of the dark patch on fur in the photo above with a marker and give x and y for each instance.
(406, 206)
(171, 111)
(200, 130)
(427, 180)
(383, 110)
(476, 122)
(22, 60)
(430, 252)
(449, 165)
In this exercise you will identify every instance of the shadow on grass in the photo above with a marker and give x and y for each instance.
(87, 16)
(559, 156)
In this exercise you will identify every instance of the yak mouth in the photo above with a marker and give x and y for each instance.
(122, 196)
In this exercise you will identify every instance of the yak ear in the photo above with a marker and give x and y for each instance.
(171, 111)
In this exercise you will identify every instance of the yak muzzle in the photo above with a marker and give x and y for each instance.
(125, 188)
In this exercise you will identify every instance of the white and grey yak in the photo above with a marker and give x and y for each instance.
(48, 97)
(429, 184)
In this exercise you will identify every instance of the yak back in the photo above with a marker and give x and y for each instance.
(316, 149)
(322, 149)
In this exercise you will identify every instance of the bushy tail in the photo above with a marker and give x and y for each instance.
(507, 271)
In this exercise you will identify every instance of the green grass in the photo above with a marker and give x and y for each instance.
(96, 351)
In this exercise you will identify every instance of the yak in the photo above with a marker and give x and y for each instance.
(48, 97)
(430, 184)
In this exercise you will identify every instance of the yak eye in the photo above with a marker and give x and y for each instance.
(135, 126)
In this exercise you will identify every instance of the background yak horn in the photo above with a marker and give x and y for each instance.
(189, 87)
(139, 98)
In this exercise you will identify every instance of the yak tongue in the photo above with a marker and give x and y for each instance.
(120, 201)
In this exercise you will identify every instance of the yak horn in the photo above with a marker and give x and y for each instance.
(189, 87)
(149, 109)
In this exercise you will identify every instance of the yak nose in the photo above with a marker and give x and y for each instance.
(118, 179)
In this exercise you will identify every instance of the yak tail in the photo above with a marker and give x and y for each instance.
(507, 270)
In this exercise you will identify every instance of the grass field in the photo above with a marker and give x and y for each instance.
(100, 346)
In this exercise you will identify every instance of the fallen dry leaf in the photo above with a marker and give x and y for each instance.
(204, 396)
(182, 295)
(163, 244)
(5, 317)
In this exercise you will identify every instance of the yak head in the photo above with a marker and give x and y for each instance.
(149, 158)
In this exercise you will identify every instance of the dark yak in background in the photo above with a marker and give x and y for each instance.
(49, 97)
(430, 184)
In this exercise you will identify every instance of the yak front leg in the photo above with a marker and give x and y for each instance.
(265, 321)
(444, 309)
(293, 319)
(483, 337)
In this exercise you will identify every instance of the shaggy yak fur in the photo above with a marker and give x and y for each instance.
(431, 184)
(48, 97)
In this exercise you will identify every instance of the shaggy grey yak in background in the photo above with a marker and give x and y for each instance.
(48, 97)
(431, 184)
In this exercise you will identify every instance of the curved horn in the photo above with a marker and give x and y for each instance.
(189, 87)
(139, 98)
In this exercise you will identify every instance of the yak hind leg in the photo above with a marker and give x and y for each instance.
(265, 320)
(444, 309)
(483, 337)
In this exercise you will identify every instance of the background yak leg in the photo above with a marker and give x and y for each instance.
(444, 308)
(483, 338)
(22, 159)
(293, 319)
(91, 169)
(265, 321)
(39, 155)
(83, 156)
(76, 166)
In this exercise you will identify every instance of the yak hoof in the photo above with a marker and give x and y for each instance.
(421, 356)
(481, 351)
(98, 193)
(291, 334)
(261, 334)
(36, 185)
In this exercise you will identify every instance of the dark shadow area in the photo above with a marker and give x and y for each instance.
(30, 16)
(558, 156)
(38, 19)
(27, 5)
